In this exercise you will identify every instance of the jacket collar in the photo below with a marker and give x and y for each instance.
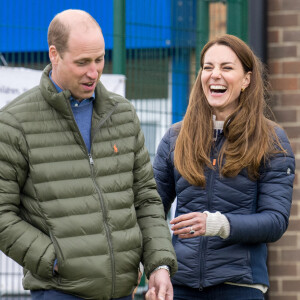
(103, 104)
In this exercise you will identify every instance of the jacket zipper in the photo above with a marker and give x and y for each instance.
(209, 183)
(204, 244)
(105, 223)
(91, 161)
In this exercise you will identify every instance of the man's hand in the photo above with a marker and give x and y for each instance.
(160, 286)
(56, 268)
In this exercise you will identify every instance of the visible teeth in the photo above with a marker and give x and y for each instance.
(90, 84)
(218, 87)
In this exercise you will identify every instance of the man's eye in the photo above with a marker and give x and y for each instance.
(80, 63)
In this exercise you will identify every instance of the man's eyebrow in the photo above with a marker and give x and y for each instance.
(88, 58)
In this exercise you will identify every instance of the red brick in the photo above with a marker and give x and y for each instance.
(283, 270)
(289, 240)
(284, 70)
(274, 5)
(282, 51)
(283, 84)
(285, 115)
(273, 36)
(292, 131)
(274, 286)
(273, 254)
(296, 149)
(291, 285)
(291, 67)
(294, 145)
(294, 210)
(291, 5)
(291, 35)
(297, 164)
(275, 99)
(275, 67)
(294, 225)
(283, 20)
(296, 181)
(281, 297)
(290, 99)
(290, 255)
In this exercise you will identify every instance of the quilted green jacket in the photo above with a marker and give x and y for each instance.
(98, 213)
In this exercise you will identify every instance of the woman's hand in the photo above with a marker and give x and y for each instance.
(189, 225)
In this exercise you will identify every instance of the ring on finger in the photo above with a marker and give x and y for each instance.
(192, 231)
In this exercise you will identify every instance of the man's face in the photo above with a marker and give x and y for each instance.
(80, 67)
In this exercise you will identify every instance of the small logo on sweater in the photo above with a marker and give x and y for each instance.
(115, 149)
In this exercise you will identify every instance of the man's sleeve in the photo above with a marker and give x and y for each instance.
(19, 240)
(157, 245)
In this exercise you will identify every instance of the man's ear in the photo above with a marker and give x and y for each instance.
(53, 55)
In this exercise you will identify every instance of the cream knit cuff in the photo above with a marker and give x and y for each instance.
(217, 225)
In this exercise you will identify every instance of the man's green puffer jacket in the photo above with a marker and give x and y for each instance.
(98, 213)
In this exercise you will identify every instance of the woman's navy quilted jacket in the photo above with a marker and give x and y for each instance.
(258, 213)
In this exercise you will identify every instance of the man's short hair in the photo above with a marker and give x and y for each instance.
(59, 32)
(58, 35)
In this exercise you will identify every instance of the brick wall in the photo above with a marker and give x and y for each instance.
(284, 67)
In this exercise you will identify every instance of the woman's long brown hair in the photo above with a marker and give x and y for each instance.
(250, 136)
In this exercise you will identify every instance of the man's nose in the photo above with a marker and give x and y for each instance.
(92, 71)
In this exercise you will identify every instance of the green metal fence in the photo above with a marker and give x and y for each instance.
(159, 59)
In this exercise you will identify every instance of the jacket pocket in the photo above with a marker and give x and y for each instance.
(58, 251)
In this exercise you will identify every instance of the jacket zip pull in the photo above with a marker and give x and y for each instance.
(91, 159)
(214, 162)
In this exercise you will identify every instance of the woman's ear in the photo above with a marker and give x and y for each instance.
(246, 80)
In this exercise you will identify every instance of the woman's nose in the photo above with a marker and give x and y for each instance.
(216, 73)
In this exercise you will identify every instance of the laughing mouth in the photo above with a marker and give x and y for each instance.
(218, 89)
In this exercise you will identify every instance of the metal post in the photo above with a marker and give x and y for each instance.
(237, 18)
(119, 47)
(258, 28)
(202, 29)
(180, 59)
(180, 83)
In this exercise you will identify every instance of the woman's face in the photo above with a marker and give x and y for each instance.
(222, 80)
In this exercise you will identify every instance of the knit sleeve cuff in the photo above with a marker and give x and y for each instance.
(217, 225)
